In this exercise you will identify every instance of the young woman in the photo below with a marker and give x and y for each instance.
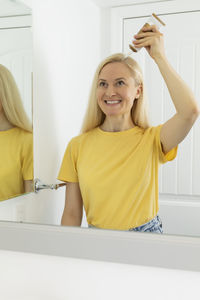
(112, 166)
(16, 140)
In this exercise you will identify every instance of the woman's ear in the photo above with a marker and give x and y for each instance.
(139, 91)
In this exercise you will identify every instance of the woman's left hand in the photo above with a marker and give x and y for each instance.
(152, 40)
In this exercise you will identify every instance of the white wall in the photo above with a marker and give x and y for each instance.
(66, 53)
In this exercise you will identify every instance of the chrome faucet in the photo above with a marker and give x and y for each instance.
(39, 185)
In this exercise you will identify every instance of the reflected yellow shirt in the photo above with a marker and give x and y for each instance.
(16, 161)
(118, 175)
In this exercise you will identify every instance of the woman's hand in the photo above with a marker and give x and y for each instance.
(152, 40)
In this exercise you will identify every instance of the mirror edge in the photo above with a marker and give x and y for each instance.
(172, 252)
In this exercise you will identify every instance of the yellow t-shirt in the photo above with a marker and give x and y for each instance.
(118, 175)
(16, 161)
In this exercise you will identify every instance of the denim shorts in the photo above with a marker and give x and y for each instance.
(154, 226)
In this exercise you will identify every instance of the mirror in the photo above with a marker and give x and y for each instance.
(179, 194)
(16, 130)
(61, 92)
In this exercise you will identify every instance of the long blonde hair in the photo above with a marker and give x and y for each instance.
(94, 116)
(11, 101)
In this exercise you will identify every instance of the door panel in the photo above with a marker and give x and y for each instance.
(182, 44)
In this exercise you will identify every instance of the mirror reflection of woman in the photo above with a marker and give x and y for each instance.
(16, 140)
(112, 166)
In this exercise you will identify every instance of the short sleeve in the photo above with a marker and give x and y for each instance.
(163, 158)
(68, 169)
(27, 157)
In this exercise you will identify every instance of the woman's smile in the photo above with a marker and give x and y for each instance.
(112, 102)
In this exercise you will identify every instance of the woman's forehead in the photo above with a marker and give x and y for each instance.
(115, 69)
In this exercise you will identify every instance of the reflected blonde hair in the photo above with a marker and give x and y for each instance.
(94, 116)
(11, 101)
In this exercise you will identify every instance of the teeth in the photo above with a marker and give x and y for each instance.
(111, 102)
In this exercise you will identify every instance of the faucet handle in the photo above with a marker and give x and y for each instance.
(39, 185)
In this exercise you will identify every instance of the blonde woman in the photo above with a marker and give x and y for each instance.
(112, 166)
(16, 140)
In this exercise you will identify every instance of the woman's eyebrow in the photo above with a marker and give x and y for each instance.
(115, 79)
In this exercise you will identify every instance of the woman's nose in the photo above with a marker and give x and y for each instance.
(110, 91)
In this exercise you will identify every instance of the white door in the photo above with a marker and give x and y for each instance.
(182, 44)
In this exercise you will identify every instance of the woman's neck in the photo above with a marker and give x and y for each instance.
(117, 125)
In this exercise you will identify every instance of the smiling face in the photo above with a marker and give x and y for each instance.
(116, 89)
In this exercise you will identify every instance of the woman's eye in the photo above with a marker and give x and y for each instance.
(121, 82)
(102, 83)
